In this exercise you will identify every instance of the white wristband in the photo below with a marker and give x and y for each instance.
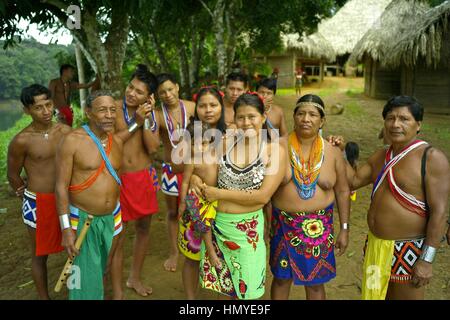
(64, 221)
(133, 127)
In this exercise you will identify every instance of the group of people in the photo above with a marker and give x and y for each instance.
(244, 181)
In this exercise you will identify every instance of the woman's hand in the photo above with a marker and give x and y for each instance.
(196, 185)
(210, 193)
(341, 242)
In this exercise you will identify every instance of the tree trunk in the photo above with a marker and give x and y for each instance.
(219, 30)
(159, 51)
(81, 78)
(196, 53)
(185, 81)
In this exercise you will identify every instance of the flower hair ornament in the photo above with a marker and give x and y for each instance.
(195, 96)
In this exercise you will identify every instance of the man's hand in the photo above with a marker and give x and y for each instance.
(20, 190)
(337, 141)
(341, 242)
(144, 110)
(68, 242)
(422, 273)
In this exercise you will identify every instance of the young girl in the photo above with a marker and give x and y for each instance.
(199, 211)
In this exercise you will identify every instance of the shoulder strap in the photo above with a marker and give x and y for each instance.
(103, 154)
(423, 172)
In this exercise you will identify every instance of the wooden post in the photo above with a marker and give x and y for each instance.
(322, 66)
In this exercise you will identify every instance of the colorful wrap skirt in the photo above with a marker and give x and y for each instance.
(239, 243)
(302, 246)
(196, 219)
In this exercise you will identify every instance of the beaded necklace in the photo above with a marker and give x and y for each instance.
(169, 123)
(305, 174)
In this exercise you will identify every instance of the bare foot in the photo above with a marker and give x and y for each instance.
(171, 263)
(139, 288)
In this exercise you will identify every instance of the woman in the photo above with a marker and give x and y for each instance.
(208, 109)
(249, 173)
(302, 217)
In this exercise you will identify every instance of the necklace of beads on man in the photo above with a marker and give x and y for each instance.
(169, 123)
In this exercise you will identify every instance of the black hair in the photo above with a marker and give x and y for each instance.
(268, 83)
(413, 105)
(143, 74)
(254, 100)
(221, 126)
(237, 76)
(163, 77)
(65, 67)
(352, 152)
(311, 98)
(28, 94)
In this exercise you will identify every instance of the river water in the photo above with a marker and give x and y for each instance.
(10, 112)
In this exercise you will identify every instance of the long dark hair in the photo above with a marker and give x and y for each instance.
(221, 126)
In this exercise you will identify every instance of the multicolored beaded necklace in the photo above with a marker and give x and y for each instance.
(169, 123)
(305, 174)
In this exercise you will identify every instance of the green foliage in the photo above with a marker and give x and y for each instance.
(5, 139)
(28, 63)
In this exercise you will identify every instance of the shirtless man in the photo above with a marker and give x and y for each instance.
(139, 181)
(409, 206)
(33, 149)
(172, 120)
(87, 184)
(61, 89)
(275, 115)
(235, 85)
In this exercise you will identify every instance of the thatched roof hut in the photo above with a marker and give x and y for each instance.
(424, 39)
(399, 17)
(408, 52)
(350, 23)
(314, 46)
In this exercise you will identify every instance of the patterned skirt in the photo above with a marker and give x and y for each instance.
(239, 243)
(302, 246)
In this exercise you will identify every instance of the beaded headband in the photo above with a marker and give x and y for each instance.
(308, 103)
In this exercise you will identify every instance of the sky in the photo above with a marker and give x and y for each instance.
(49, 36)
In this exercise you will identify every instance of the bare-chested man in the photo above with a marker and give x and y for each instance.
(34, 149)
(267, 88)
(87, 183)
(172, 120)
(139, 180)
(61, 89)
(409, 206)
(236, 84)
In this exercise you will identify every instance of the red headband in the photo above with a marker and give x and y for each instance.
(195, 96)
(253, 93)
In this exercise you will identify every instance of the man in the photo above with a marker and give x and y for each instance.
(409, 201)
(33, 149)
(87, 184)
(172, 120)
(61, 90)
(139, 180)
(235, 85)
(275, 116)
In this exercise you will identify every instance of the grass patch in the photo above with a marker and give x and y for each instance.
(329, 90)
(353, 92)
(353, 109)
(286, 92)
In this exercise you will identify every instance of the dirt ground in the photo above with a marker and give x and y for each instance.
(360, 122)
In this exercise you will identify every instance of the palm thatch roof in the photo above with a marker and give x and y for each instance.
(314, 46)
(351, 22)
(407, 30)
(424, 39)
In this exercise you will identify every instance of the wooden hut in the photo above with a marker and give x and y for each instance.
(413, 48)
(309, 52)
